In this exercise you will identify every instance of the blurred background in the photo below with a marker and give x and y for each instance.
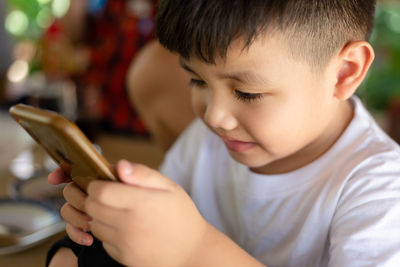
(381, 89)
(72, 56)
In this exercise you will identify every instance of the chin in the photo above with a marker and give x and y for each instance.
(251, 162)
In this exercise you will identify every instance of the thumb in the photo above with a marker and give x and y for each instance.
(142, 176)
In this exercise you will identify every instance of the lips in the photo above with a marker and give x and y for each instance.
(237, 146)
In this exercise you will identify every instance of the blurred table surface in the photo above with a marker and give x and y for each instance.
(14, 140)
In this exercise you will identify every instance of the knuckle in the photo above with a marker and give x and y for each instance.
(94, 228)
(74, 198)
(91, 207)
(78, 208)
(66, 190)
(88, 205)
(68, 215)
(79, 205)
(73, 217)
(101, 193)
(64, 211)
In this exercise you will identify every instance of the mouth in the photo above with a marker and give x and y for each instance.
(237, 146)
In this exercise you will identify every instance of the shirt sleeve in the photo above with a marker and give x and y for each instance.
(365, 230)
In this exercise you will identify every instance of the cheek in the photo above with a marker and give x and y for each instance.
(281, 126)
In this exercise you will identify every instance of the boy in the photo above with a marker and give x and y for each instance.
(284, 167)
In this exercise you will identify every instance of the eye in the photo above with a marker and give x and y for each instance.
(198, 83)
(247, 97)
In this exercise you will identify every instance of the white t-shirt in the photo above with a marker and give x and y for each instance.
(342, 209)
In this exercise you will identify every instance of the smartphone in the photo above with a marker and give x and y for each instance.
(65, 143)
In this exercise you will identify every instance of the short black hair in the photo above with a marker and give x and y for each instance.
(313, 29)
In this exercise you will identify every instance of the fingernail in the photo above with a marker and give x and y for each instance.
(87, 240)
(126, 167)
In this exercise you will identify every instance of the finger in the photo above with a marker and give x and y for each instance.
(118, 195)
(105, 214)
(75, 196)
(143, 176)
(58, 177)
(105, 232)
(75, 217)
(78, 236)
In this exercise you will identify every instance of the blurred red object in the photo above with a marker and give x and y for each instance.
(100, 60)
(116, 35)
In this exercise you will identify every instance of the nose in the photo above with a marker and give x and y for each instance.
(218, 114)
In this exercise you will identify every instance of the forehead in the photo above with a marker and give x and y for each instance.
(264, 49)
(265, 53)
(266, 63)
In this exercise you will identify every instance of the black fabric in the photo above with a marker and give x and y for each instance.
(95, 255)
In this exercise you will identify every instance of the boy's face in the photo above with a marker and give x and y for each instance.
(273, 112)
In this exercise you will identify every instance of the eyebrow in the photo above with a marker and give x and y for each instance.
(241, 76)
(186, 67)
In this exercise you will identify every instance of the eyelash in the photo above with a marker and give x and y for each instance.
(242, 96)
(247, 97)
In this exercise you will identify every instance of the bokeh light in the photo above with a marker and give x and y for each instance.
(60, 7)
(393, 21)
(43, 2)
(17, 22)
(44, 18)
(18, 71)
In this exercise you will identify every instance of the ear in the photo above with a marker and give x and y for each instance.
(353, 64)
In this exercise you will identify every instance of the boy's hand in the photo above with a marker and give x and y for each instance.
(148, 220)
(73, 212)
